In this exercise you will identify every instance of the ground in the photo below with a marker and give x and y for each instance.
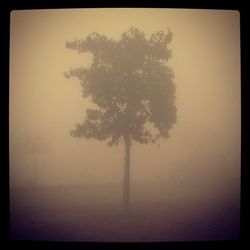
(93, 214)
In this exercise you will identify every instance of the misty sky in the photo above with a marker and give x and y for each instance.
(45, 106)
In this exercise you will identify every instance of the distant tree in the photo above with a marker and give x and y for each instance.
(132, 87)
(34, 144)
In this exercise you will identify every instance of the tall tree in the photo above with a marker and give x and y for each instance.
(133, 88)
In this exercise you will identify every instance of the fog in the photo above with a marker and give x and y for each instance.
(65, 188)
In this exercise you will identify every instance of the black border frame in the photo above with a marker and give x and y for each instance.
(7, 7)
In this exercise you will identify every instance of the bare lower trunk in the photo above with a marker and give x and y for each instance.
(34, 170)
(126, 176)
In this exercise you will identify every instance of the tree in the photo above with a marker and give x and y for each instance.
(33, 144)
(132, 87)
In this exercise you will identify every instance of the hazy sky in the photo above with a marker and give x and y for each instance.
(45, 106)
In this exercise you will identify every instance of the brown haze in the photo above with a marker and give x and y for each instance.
(63, 188)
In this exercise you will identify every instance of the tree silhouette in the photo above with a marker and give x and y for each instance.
(133, 88)
(34, 144)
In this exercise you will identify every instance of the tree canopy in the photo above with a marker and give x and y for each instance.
(130, 83)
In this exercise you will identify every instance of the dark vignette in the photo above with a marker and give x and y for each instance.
(5, 10)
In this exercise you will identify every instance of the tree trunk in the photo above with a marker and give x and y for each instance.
(126, 176)
(34, 169)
